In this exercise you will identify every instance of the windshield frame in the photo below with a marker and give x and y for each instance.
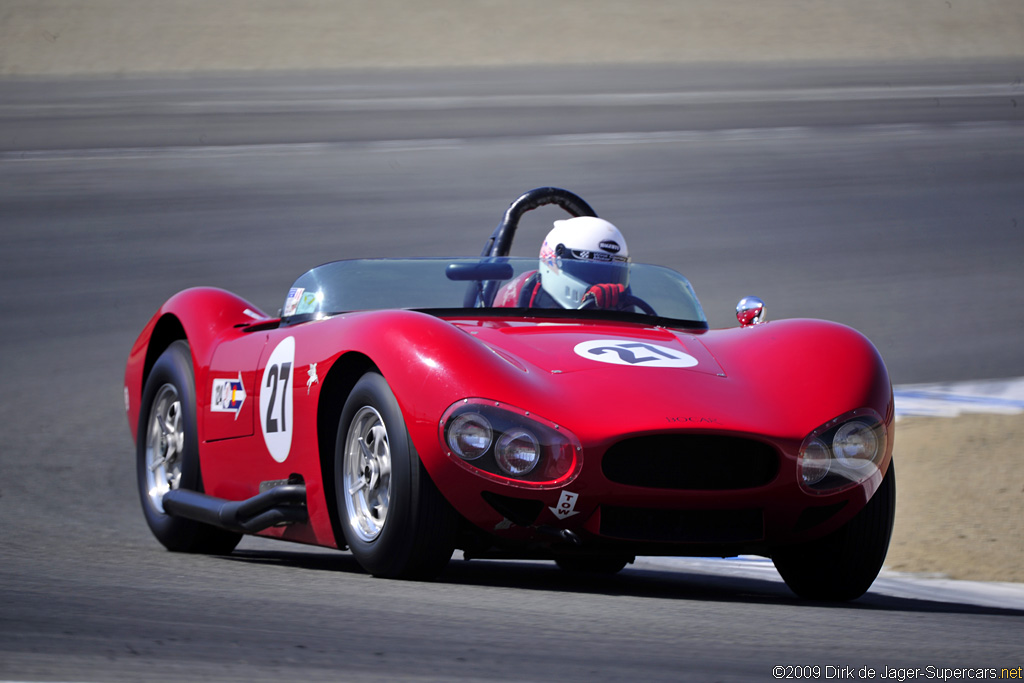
(335, 275)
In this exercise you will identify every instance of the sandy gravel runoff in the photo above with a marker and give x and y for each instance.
(960, 497)
(60, 37)
(960, 481)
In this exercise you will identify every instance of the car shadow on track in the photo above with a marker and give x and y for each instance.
(633, 581)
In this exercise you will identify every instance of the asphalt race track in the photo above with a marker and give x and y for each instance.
(891, 199)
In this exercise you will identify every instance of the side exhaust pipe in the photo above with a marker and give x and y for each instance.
(279, 505)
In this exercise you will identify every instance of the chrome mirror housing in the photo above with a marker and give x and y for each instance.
(750, 311)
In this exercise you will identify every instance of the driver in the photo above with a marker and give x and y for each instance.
(584, 262)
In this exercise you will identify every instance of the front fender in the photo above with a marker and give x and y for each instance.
(200, 315)
(804, 372)
(430, 364)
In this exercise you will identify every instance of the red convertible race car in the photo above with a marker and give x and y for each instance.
(573, 407)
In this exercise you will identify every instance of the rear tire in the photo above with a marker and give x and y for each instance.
(167, 454)
(844, 564)
(396, 523)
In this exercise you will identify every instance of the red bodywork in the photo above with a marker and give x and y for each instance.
(772, 383)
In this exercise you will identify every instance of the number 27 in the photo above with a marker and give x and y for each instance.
(274, 375)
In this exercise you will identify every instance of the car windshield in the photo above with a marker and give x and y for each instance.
(485, 284)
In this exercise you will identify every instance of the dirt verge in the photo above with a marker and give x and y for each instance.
(960, 497)
(65, 37)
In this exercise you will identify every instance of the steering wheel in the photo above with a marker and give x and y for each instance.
(481, 293)
(589, 302)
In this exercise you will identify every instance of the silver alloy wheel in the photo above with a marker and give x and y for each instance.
(165, 441)
(367, 474)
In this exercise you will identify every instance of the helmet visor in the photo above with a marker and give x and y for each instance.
(595, 268)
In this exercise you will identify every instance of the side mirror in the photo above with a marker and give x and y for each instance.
(750, 311)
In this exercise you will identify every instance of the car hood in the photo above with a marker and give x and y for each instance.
(567, 347)
(783, 378)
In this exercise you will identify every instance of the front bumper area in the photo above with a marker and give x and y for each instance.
(599, 514)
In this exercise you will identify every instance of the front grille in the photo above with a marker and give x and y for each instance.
(682, 526)
(695, 462)
(521, 511)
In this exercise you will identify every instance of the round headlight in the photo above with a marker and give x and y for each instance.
(517, 452)
(814, 462)
(469, 435)
(855, 444)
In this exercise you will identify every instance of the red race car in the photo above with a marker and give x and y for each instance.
(572, 407)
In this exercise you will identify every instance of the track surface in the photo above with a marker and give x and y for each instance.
(891, 200)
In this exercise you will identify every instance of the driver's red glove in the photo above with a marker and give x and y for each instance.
(606, 295)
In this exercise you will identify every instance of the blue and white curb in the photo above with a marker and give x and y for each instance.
(950, 399)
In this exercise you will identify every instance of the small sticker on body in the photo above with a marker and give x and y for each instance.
(228, 395)
(566, 505)
(292, 302)
(313, 379)
(309, 302)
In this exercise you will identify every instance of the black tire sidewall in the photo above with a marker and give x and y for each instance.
(385, 554)
(844, 564)
(174, 367)
(420, 531)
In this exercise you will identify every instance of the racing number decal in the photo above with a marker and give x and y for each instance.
(276, 400)
(274, 375)
(635, 353)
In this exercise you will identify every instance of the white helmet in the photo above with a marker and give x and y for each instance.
(579, 253)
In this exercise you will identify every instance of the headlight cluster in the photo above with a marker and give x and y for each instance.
(842, 452)
(506, 442)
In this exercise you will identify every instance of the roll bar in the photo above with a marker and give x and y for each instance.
(481, 293)
(500, 242)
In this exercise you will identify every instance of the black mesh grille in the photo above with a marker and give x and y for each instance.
(523, 512)
(682, 526)
(695, 462)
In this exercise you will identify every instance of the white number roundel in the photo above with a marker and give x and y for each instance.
(276, 400)
(635, 353)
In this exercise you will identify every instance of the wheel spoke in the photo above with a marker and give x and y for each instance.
(177, 433)
(380, 440)
(164, 429)
(367, 470)
(359, 485)
(367, 453)
(165, 445)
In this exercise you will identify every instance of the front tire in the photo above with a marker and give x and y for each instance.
(396, 523)
(844, 564)
(167, 454)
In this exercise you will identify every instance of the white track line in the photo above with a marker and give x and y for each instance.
(900, 131)
(319, 100)
(894, 584)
